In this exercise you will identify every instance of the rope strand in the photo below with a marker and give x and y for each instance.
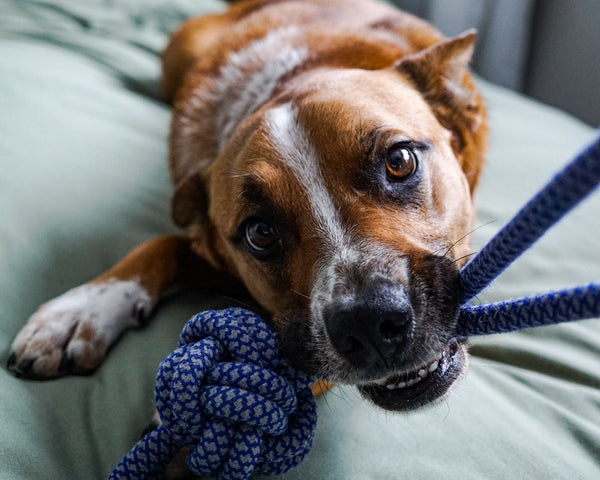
(558, 197)
(578, 303)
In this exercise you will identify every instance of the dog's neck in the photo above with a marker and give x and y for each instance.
(250, 76)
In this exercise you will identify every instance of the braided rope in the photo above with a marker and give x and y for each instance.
(570, 186)
(578, 303)
(227, 395)
(561, 194)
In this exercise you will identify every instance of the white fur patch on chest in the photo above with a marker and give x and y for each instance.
(250, 76)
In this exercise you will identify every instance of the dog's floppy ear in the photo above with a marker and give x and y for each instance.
(189, 204)
(189, 209)
(440, 73)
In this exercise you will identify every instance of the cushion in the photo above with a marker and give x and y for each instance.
(84, 179)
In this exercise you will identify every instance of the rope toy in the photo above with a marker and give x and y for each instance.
(568, 187)
(225, 394)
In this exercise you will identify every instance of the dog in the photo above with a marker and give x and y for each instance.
(324, 155)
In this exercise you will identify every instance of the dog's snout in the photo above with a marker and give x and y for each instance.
(373, 327)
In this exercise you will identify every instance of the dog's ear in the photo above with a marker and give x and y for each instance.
(189, 204)
(189, 209)
(440, 73)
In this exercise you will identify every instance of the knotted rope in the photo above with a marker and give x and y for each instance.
(227, 395)
(568, 187)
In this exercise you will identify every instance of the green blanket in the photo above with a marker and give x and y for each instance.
(83, 179)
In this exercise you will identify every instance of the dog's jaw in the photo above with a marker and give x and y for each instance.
(422, 386)
(433, 358)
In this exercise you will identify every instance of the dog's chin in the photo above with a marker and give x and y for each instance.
(421, 387)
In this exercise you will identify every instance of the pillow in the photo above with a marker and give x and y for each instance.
(84, 179)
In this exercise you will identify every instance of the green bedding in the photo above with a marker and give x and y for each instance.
(83, 179)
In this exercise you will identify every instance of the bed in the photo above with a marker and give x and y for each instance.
(83, 179)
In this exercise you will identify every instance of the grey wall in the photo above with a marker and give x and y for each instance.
(564, 60)
(549, 49)
(503, 32)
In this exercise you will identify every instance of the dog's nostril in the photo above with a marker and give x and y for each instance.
(349, 344)
(393, 330)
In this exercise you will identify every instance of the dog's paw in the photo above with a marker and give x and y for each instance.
(71, 333)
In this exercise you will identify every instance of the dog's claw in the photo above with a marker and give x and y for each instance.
(139, 312)
(25, 366)
(12, 359)
(66, 364)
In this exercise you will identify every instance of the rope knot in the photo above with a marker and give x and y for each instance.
(227, 395)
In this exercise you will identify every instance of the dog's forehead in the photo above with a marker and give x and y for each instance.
(351, 102)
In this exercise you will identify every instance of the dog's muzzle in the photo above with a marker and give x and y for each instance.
(396, 339)
(391, 333)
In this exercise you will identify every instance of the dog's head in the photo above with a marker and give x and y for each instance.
(343, 205)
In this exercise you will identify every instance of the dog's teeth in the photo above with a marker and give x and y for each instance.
(394, 386)
(422, 374)
(433, 367)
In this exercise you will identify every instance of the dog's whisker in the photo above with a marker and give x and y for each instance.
(299, 293)
(456, 260)
(465, 236)
(342, 394)
(239, 302)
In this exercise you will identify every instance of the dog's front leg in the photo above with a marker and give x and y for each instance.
(72, 333)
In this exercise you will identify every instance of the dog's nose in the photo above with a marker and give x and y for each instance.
(372, 328)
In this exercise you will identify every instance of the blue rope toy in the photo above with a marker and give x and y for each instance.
(227, 395)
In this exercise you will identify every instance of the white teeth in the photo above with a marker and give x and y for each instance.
(433, 367)
(394, 386)
(422, 374)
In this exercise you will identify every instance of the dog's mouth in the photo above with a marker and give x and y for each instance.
(414, 389)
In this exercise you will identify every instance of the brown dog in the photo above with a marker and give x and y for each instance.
(324, 154)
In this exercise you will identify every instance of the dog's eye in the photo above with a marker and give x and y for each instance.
(401, 163)
(260, 236)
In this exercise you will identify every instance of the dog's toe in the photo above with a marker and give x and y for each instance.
(72, 333)
(37, 350)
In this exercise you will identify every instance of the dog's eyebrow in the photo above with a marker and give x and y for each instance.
(369, 138)
(253, 191)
